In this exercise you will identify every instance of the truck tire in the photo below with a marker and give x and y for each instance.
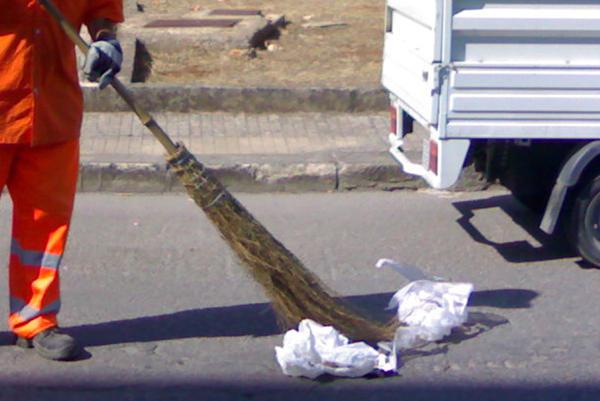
(583, 223)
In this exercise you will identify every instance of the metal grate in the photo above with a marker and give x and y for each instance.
(192, 23)
(238, 12)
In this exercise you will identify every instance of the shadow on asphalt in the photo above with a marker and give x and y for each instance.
(504, 299)
(552, 247)
(6, 339)
(347, 390)
(259, 320)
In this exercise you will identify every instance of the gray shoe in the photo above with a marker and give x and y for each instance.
(52, 344)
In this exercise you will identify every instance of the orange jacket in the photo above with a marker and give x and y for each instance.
(40, 97)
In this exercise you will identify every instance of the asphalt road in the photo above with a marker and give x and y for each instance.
(166, 312)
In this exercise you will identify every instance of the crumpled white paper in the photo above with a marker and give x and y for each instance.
(429, 309)
(314, 349)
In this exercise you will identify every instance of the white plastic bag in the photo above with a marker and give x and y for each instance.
(431, 309)
(314, 350)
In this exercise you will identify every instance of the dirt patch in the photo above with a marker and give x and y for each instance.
(346, 54)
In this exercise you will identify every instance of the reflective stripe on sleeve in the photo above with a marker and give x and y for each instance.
(35, 258)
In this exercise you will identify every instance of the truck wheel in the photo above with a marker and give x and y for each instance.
(583, 224)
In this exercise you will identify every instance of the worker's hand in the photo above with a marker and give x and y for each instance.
(103, 61)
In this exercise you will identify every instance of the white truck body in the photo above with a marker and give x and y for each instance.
(500, 69)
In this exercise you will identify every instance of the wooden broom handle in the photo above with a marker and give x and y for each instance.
(121, 89)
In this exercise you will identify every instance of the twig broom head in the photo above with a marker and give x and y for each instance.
(295, 292)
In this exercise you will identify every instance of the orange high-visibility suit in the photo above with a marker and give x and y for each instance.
(41, 109)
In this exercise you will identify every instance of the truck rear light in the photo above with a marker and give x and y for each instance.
(393, 120)
(433, 156)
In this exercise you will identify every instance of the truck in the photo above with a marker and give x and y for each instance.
(510, 87)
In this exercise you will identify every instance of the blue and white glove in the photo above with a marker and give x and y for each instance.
(103, 61)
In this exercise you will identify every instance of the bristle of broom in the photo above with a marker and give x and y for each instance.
(295, 292)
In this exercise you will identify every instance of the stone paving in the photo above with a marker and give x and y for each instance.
(122, 136)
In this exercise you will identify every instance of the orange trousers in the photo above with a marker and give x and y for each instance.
(41, 182)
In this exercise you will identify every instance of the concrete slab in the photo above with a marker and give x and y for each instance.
(248, 30)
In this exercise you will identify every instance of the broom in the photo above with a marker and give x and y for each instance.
(295, 292)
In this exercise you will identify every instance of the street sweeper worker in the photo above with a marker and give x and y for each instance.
(41, 109)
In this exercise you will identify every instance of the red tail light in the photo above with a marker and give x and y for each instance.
(393, 120)
(433, 157)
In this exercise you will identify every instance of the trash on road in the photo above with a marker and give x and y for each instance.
(313, 350)
(427, 309)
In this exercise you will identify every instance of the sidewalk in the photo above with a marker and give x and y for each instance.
(249, 152)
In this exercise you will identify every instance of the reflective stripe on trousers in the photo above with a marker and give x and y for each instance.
(42, 183)
(26, 312)
(34, 258)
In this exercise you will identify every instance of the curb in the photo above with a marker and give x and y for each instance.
(257, 178)
(250, 178)
(189, 98)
